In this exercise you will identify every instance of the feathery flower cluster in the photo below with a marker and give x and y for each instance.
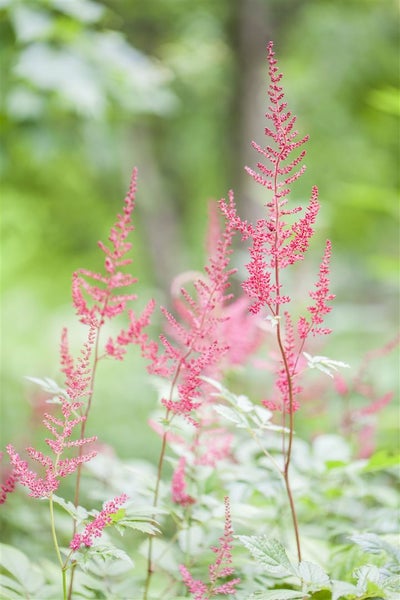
(196, 349)
(320, 296)
(276, 243)
(62, 430)
(178, 485)
(361, 420)
(104, 291)
(77, 382)
(9, 484)
(221, 568)
(95, 528)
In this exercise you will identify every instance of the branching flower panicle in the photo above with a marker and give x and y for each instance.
(62, 428)
(95, 528)
(194, 348)
(10, 480)
(178, 485)
(219, 569)
(99, 297)
(280, 240)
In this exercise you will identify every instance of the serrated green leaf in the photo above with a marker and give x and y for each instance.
(143, 526)
(104, 551)
(232, 415)
(278, 595)
(341, 589)
(76, 512)
(270, 553)
(313, 576)
(261, 416)
(48, 385)
(244, 404)
(367, 575)
(374, 544)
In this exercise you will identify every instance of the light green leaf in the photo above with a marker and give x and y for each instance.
(261, 415)
(382, 460)
(76, 512)
(232, 415)
(313, 576)
(48, 385)
(365, 575)
(15, 562)
(244, 404)
(143, 526)
(324, 364)
(28, 575)
(278, 595)
(11, 586)
(270, 553)
(102, 550)
(374, 544)
(341, 589)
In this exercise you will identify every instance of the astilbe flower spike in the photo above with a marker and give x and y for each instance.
(191, 351)
(276, 243)
(192, 348)
(99, 297)
(61, 428)
(95, 528)
(362, 420)
(10, 480)
(178, 485)
(220, 568)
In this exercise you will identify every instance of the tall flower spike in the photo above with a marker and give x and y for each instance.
(276, 244)
(62, 428)
(221, 568)
(192, 348)
(178, 485)
(99, 297)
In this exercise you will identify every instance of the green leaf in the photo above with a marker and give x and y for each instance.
(368, 578)
(374, 544)
(341, 589)
(278, 595)
(10, 586)
(76, 512)
(382, 460)
(270, 553)
(261, 416)
(143, 526)
(313, 576)
(118, 516)
(102, 550)
(232, 415)
(27, 574)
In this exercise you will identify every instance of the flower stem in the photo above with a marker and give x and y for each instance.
(57, 548)
(288, 450)
(155, 501)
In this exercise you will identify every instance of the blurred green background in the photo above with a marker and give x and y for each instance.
(177, 87)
